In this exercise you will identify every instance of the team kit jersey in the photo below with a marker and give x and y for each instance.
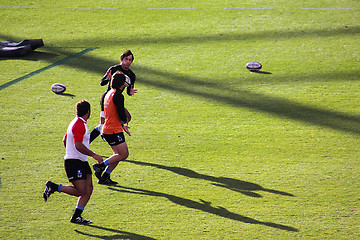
(105, 81)
(112, 70)
(114, 112)
(77, 132)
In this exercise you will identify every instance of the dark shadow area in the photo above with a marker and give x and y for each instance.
(34, 56)
(211, 89)
(53, 64)
(211, 37)
(259, 102)
(66, 94)
(118, 234)
(240, 186)
(261, 72)
(202, 206)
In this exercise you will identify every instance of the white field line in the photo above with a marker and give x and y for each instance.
(326, 8)
(17, 7)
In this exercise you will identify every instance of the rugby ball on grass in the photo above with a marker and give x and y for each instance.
(58, 88)
(253, 66)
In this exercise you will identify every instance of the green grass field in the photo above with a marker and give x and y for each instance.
(216, 152)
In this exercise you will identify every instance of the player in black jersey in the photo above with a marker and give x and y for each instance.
(126, 59)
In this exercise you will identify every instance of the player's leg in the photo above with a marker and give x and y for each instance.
(77, 189)
(79, 174)
(81, 186)
(121, 152)
(98, 129)
(74, 171)
(85, 189)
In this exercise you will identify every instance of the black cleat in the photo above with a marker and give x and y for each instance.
(98, 170)
(48, 190)
(107, 181)
(80, 220)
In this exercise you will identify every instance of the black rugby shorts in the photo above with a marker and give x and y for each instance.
(114, 139)
(76, 169)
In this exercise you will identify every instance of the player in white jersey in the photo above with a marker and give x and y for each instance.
(77, 168)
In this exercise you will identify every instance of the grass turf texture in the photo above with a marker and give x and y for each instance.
(217, 152)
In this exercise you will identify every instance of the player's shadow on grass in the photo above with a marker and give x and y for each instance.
(202, 206)
(119, 234)
(246, 188)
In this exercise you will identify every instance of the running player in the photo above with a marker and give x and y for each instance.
(78, 171)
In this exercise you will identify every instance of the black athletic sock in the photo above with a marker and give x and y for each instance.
(77, 213)
(94, 134)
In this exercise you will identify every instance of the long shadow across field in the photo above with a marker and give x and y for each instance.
(211, 89)
(246, 188)
(105, 40)
(202, 206)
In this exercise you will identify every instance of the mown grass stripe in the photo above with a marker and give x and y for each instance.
(231, 8)
(89, 8)
(248, 8)
(326, 8)
(171, 8)
(62, 61)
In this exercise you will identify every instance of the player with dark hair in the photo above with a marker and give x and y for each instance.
(77, 168)
(114, 127)
(126, 60)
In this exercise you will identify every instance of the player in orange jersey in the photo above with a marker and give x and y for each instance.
(114, 127)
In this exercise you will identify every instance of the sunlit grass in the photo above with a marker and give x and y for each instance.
(216, 152)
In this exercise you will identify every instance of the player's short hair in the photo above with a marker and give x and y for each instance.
(117, 80)
(126, 54)
(82, 108)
